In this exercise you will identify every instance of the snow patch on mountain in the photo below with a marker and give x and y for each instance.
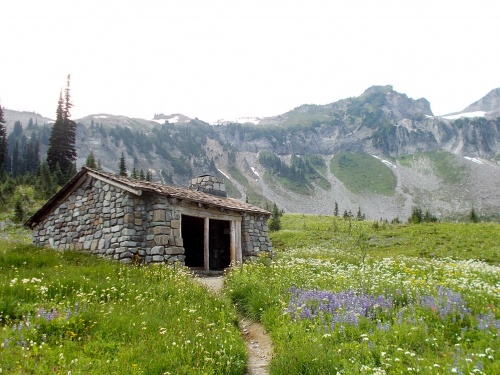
(386, 162)
(474, 160)
(465, 114)
(255, 172)
(239, 120)
(225, 175)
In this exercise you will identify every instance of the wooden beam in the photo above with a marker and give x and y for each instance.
(232, 250)
(206, 245)
(238, 249)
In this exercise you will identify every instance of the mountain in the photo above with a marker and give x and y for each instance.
(490, 104)
(382, 153)
(24, 117)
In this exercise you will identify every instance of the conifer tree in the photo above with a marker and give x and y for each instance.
(90, 162)
(134, 172)
(275, 223)
(62, 149)
(141, 175)
(122, 166)
(3, 143)
(149, 175)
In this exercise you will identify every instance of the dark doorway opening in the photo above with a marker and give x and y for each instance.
(193, 229)
(219, 244)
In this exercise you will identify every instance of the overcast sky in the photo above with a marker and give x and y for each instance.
(227, 59)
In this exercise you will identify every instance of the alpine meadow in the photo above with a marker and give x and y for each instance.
(383, 219)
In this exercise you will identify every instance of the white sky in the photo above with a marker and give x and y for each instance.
(215, 59)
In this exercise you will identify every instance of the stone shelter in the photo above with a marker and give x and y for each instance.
(132, 220)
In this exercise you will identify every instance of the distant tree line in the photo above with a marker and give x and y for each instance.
(20, 161)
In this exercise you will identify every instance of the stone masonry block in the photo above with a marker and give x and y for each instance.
(159, 215)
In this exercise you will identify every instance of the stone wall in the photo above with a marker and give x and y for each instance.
(163, 236)
(98, 218)
(105, 220)
(255, 238)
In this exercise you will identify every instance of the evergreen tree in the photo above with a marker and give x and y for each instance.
(275, 223)
(336, 209)
(122, 166)
(3, 143)
(15, 160)
(90, 163)
(134, 172)
(46, 185)
(62, 149)
(18, 211)
(473, 216)
(359, 215)
(141, 175)
(149, 175)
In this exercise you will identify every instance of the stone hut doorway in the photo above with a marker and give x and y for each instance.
(219, 244)
(207, 242)
(193, 229)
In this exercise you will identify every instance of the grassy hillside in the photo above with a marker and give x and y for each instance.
(363, 173)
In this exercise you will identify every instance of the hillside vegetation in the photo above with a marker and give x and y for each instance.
(363, 173)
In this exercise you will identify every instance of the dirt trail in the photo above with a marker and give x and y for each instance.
(258, 342)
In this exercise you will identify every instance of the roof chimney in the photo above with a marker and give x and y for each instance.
(209, 184)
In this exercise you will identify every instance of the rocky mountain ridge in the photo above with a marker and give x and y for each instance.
(401, 133)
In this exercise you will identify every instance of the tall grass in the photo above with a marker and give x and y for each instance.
(459, 241)
(66, 312)
(334, 305)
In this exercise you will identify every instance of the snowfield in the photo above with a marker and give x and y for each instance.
(467, 114)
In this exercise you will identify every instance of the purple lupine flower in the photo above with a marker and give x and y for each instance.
(343, 308)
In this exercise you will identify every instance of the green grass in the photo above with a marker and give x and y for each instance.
(459, 241)
(359, 297)
(238, 176)
(65, 312)
(442, 163)
(302, 189)
(363, 173)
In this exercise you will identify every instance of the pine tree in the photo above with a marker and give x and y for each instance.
(473, 216)
(141, 175)
(134, 172)
(275, 223)
(62, 149)
(18, 211)
(90, 163)
(122, 166)
(336, 209)
(149, 176)
(3, 143)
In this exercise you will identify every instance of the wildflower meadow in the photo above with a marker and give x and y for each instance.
(71, 313)
(346, 311)
(339, 297)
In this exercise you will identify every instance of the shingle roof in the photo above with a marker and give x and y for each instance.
(145, 186)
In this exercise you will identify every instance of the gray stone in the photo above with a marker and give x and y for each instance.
(158, 250)
(128, 232)
(174, 250)
(158, 258)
